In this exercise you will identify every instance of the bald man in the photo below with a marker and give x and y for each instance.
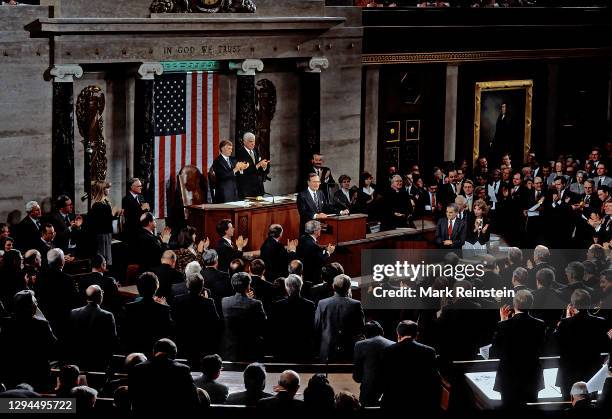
(167, 274)
(92, 333)
(287, 387)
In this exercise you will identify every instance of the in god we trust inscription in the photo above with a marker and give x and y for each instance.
(208, 50)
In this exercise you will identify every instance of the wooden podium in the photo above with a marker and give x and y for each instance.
(343, 228)
(251, 222)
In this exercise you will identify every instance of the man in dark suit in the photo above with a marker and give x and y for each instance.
(46, 242)
(367, 363)
(326, 288)
(225, 168)
(410, 373)
(324, 173)
(311, 254)
(92, 333)
(581, 338)
(430, 201)
(450, 190)
(265, 291)
(166, 274)
(196, 320)
(339, 322)
(67, 225)
(288, 385)
(161, 385)
(450, 231)
(275, 255)
(226, 250)
(559, 216)
(146, 321)
(541, 260)
(518, 344)
(150, 246)
(312, 203)
(397, 205)
(134, 205)
(574, 273)
(244, 322)
(98, 276)
(211, 369)
(57, 293)
(250, 180)
(218, 282)
(28, 346)
(254, 383)
(547, 305)
(292, 320)
(27, 232)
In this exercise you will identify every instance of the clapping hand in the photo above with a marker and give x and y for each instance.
(241, 242)
(344, 212)
(263, 163)
(165, 237)
(203, 245)
(78, 221)
(292, 245)
(505, 312)
(145, 206)
(160, 300)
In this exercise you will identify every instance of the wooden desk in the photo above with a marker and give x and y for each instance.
(344, 228)
(251, 222)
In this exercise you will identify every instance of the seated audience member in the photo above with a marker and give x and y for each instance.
(166, 274)
(146, 321)
(292, 323)
(319, 395)
(162, 385)
(92, 334)
(275, 255)
(27, 232)
(188, 250)
(150, 247)
(180, 288)
(196, 320)
(326, 288)
(541, 260)
(339, 322)
(244, 322)
(264, 290)
(518, 344)
(211, 369)
(288, 385)
(235, 266)
(6, 244)
(580, 396)
(13, 277)
(311, 254)
(547, 305)
(254, 376)
(347, 402)
(397, 206)
(574, 273)
(33, 345)
(450, 231)
(218, 282)
(581, 338)
(367, 363)
(67, 225)
(226, 250)
(121, 401)
(99, 276)
(131, 360)
(85, 399)
(67, 379)
(410, 373)
(57, 293)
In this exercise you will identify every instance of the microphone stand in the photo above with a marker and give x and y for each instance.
(267, 193)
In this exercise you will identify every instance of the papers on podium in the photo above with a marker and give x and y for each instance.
(484, 351)
(596, 383)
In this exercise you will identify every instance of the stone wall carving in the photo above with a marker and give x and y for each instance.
(265, 106)
(203, 6)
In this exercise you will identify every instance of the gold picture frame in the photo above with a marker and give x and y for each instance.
(490, 86)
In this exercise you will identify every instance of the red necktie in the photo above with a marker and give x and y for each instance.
(433, 201)
(450, 229)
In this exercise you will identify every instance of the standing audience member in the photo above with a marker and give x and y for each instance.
(274, 253)
(254, 383)
(27, 232)
(100, 220)
(225, 248)
(211, 369)
(311, 254)
(134, 206)
(339, 322)
(167, 274)
(150, 246)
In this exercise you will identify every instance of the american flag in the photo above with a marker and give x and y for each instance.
(186, 129)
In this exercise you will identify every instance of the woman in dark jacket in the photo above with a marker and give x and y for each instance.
(100, 220)
(478, 228)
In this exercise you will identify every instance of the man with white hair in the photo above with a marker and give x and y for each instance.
(56, 292)
(28, 229)
(580, 396)
(293, 318)
(288, 385)
(311, 254)
(250, 180)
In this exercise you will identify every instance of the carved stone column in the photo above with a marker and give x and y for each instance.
(144, 127)
(450, 114)
(310, 110)
(245, 96)
(62, 160)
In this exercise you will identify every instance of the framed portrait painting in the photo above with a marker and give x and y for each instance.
(502, 120)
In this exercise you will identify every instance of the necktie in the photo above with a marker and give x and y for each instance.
(600, 181)
(316, 200)
(450, 229)
(252, 155)
(66, 221)
(433, 201)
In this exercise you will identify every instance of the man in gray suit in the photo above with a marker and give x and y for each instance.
(367, 363)
(244, 319)
(601, 178)
(339, 321)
